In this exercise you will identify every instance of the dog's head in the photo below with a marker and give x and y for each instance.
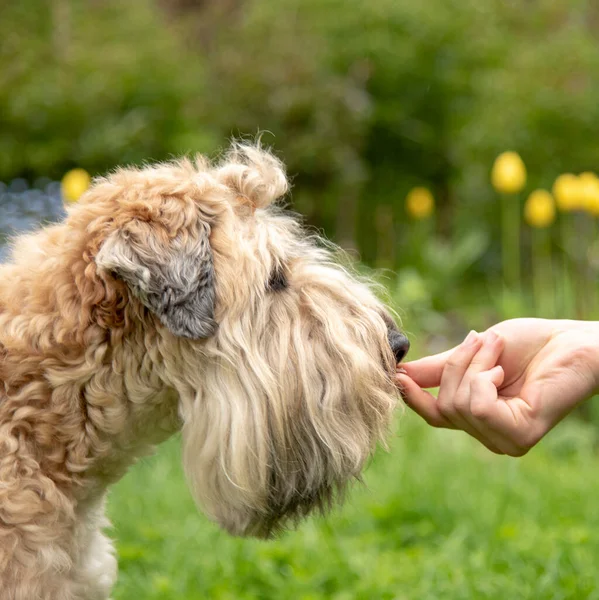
(282, 359)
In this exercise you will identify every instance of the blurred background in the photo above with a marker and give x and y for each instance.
(451, 147)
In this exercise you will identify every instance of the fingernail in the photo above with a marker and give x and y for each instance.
(471, 338)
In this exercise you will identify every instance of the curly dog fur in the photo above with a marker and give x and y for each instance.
(178, 297)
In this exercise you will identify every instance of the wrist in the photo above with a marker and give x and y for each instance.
(585, 347)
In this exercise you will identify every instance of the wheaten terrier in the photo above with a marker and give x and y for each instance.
(177, 297)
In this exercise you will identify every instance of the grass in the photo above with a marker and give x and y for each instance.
(440, 517)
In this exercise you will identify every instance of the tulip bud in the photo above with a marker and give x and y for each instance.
(568, 192)
(508, 175)
(589, 183)
(420, 203)
(539, 210)
(74, 184)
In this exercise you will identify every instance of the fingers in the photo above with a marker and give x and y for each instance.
(455, 369)
(486, 411)
(430, 372)
(488, 355)
(483, 395)
(421, 402)
(496, 376)
(480, 410)
(469, 377)
(426, 372)
(469, 364)
(462, 370)
(425, 405)
(454, 390)
(469, 370)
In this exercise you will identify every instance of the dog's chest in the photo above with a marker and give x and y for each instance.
(149, 423)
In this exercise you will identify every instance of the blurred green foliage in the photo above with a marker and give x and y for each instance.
(363, 101)
(95, 85)
(362, 98)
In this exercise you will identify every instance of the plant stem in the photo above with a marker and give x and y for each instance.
(510, 241)
(542, 275)
(565, 293)
(580, 237)
(594, 290)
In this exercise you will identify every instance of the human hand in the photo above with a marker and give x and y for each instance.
(510, 385)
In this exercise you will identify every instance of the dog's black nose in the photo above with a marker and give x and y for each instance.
(399, 344)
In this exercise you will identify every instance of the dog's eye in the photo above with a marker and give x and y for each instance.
(278, 280)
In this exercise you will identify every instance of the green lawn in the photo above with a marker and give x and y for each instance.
(439, 518)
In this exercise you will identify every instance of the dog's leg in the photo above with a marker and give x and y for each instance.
(96, 569)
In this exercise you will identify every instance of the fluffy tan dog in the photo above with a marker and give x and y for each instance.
(178, 297)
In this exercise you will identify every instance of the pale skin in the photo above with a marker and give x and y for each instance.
(509, 386)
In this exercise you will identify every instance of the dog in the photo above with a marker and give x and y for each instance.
(180, 297)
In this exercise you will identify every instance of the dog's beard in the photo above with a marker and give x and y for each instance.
(277, 432)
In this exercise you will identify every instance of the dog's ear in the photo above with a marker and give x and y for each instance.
(173, 278)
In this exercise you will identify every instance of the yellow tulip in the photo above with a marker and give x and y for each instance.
(420, 203)
(539, 210)
(588, 177)
(568, 192)
(508, 175)
(589, 183)
(74, 184)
